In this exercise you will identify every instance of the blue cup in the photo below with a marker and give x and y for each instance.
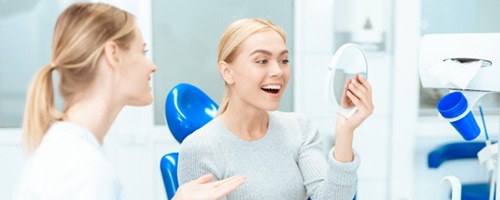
(453, 105)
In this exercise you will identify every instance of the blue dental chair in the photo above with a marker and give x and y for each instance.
(461, 150)
(187, 108)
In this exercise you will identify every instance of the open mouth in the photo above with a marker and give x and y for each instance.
(273, 89)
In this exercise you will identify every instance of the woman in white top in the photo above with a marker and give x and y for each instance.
(100, 55)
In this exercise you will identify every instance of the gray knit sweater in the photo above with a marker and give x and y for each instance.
(287, 163)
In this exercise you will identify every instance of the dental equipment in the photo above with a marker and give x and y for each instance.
(467, 63)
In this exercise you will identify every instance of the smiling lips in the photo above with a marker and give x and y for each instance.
(274, 89)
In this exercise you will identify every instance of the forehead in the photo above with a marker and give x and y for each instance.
(138, 36)
(268, 40)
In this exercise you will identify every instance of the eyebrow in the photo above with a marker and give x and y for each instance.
(267, 52)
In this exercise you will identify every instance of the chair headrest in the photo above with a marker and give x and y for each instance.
(453, 151)
(187, 108)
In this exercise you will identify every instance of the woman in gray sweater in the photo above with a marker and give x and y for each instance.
(279, 153)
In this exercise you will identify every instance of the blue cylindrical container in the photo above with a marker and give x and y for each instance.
(453, 105)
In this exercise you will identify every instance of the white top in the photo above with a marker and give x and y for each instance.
(68, 164)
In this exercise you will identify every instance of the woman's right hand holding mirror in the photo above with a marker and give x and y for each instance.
(358, 93)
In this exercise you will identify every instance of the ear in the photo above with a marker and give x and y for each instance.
(111, 54)
(225, 71)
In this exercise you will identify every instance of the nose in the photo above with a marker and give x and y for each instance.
(275, 69)
(153, 68)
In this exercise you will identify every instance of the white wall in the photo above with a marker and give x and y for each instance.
(405, 97)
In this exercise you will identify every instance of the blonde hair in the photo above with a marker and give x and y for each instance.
(231, 40)
(77, 44)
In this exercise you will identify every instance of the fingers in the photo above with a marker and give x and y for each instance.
(355, 100)
(345, 102)
(360, 93)
(204, 179)
(223, 181)
(368, 87)
(364, 82)
(230, 185)
(360, 88)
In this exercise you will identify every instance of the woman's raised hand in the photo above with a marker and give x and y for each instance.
(357, 92)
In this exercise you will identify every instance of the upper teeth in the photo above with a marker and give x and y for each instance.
(272, 87)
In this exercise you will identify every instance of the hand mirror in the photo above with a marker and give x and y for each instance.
(348, 61)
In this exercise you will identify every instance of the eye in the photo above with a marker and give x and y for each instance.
(145, 51)
(285, 61)
(262, 61)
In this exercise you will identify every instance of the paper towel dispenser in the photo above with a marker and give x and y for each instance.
(464, 48)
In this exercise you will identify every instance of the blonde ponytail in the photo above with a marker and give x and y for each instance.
(40, 110)
(77, 44)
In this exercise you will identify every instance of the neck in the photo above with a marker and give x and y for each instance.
(95, 113)
(247, 123)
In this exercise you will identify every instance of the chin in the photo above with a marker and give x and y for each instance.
(142, 102)
(148, 102)
(272, 108)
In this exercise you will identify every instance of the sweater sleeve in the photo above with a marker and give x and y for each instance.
(325, 178)
(195, 160)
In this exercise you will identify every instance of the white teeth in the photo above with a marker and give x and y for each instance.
(272, 87)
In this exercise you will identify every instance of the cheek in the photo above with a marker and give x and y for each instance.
(287, 73)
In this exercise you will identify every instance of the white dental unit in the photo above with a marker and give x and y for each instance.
(469, 63)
